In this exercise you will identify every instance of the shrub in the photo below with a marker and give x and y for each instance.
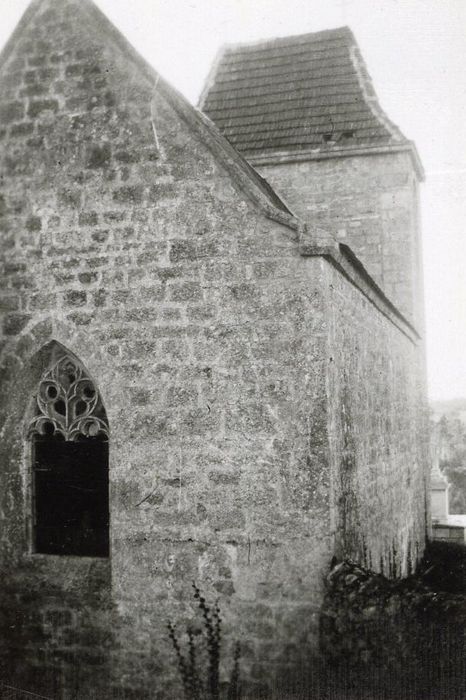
(199, 665)
(398, 638)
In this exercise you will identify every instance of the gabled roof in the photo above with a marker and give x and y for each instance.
(297, 93)
(243, 174)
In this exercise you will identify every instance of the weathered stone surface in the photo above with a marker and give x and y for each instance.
(13, 324)
(370, 203)
(379, 442)
(210, 338)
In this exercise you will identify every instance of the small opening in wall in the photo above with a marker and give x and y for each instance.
(60, 407)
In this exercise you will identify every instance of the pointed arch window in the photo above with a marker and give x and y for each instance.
(69, 435)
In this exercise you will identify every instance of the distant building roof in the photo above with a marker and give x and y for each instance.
(297, 93)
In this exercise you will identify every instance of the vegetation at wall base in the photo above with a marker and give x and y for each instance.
(398, 638)
(199, 665)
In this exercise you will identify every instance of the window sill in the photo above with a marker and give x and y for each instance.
(39, 556)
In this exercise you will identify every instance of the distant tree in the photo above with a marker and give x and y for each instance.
(453, 459)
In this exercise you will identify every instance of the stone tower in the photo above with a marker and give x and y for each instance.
(303, 111)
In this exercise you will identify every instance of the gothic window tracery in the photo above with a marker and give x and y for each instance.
(68, 404)
(69, 434)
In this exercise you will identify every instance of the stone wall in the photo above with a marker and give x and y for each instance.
(377, 432)
(369, 202)
(203, 329)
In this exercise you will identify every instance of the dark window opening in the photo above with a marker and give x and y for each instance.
(332, 137)
(71, 510)
(69, 435)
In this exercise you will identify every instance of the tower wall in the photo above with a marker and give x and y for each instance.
(369, 202)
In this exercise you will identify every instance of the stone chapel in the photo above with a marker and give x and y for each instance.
(211, 350)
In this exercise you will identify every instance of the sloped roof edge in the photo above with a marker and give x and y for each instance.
(209, 81)
(243, 174)
(11, 42)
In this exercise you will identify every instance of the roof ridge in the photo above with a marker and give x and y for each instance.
(289, 39)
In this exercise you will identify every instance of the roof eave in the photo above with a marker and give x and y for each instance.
(288, 156)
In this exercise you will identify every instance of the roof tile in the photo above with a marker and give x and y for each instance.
(308, 91)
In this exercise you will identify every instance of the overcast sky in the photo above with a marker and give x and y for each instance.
(416, 53)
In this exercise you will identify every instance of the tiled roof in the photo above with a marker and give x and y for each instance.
(296, 93)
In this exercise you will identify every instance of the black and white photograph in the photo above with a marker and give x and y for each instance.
(232, 350)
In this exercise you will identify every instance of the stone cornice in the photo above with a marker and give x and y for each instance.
(279, 157)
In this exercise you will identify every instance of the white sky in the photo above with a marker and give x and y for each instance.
(415, 51)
